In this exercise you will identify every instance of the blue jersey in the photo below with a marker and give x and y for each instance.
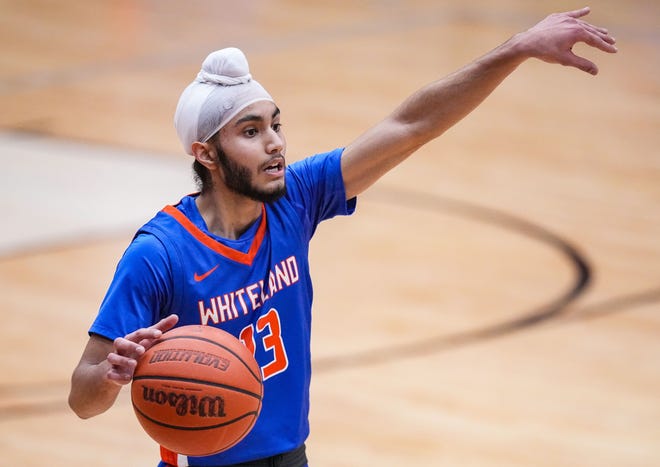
(258, 288)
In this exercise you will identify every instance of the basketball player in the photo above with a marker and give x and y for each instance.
(234, 255)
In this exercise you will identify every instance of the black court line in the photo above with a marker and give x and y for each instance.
(544, 312)
(613, 305)
(547, 312)
(597, 310)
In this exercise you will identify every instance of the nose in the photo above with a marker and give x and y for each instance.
(276, 143)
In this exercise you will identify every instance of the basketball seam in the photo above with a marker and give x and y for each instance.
(195, 428)
(199, 381)
(255, 376)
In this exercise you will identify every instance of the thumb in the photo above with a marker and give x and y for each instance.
(580, 63)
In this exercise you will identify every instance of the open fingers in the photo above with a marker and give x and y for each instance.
(166, 323)
(128, 348)
(146, 336)
(580, 31)
(603, 33)
(598, 37)
(123, 368)
(599, 40)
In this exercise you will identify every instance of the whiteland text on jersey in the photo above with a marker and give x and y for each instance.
(231, 305)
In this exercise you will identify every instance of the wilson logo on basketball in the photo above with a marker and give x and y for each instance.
(193, 356)
(184, 404)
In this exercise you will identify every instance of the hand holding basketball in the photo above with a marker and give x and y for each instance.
(197, 391)
(128, 349)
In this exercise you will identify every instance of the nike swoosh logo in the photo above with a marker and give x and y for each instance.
(201, 277)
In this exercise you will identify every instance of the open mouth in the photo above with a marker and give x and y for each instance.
(275, 166)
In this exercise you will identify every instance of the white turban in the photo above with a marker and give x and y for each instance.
(221, 90)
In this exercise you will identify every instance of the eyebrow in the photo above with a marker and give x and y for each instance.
(255, 117)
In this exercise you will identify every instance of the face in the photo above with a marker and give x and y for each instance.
(251, 151)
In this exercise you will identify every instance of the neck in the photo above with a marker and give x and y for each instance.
(228, 215)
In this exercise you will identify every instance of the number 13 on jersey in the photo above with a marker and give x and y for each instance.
(269, 332)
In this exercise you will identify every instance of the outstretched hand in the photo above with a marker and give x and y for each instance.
(128, 349)
(552, 39)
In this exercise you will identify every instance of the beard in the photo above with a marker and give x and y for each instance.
(239, 180)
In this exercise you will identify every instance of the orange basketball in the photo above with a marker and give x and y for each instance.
(197, 391)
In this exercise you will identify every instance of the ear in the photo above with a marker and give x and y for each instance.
(205, 154)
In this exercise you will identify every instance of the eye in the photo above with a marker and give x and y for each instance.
(277, 127)
(250, 132)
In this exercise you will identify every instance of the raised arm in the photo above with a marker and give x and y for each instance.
(437, 107)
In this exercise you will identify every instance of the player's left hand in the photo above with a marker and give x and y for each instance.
(552, 39)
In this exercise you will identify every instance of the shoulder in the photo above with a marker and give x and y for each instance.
(164, 228)
(320, 162)
(145, 253)
(315, 172)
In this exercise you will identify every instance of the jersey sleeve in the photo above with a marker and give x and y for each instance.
(139, 291)
(318, 184)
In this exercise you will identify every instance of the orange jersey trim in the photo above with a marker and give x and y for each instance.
(234, 255)
(169, 457)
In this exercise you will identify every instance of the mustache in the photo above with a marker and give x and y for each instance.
(278, 159)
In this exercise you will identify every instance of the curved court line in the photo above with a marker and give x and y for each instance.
(605, 308)
(542, 313)
(613, 305)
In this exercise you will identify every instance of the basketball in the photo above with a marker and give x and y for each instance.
(197, 391)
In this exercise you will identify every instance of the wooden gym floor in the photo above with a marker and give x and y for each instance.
(495, 301)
